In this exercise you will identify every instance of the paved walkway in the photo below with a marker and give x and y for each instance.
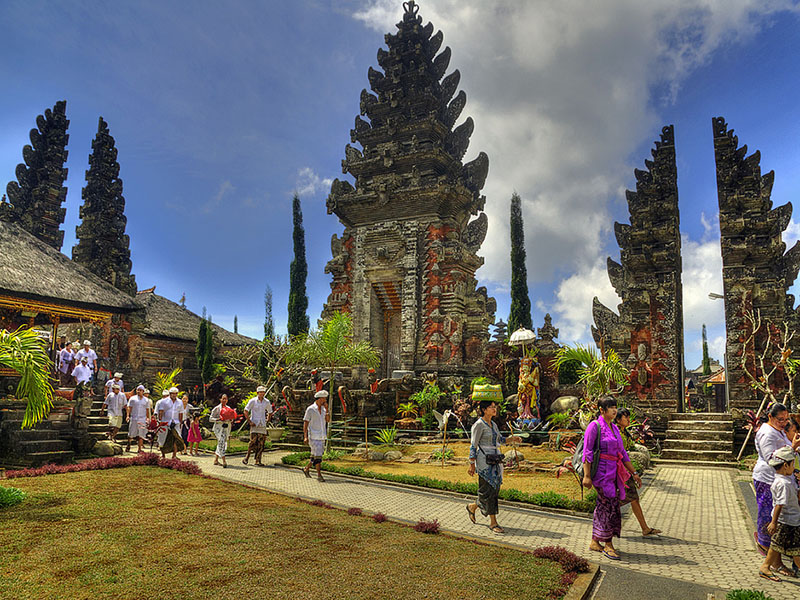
(707, 536)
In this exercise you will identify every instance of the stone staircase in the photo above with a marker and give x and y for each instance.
(699, 437)
(37, 446)
(98, 423)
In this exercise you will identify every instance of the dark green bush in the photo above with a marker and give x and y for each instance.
(10, 496)
(747, 595)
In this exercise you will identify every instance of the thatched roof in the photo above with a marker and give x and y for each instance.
(29, 268)
(168, 319)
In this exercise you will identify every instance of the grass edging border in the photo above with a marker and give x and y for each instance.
(583, 584)
(565, 512)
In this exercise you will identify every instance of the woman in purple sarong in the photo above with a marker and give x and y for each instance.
(614, 469)
(769, 438)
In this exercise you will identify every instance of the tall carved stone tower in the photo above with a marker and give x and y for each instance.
(756, 269)
(405, 264)
(37, 196)
(648, 332)
(102, 246)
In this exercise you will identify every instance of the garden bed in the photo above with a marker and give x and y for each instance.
(86, 535)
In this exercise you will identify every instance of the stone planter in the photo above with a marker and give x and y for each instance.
(408, 424)
(274, 433)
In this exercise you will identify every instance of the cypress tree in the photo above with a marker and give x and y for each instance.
(200, 350)
(269, 338)
(520, 315)
(207, 371)
(298, 272)
(235, 324)
(706, 359)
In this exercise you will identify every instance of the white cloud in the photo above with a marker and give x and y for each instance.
(561, 94)
(702, 273)
(308, 182)
(225, 188)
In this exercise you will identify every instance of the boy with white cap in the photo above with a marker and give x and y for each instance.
(257, 412)
(138, 416)
(118, 380)
(91, 356)
(82, 373)
(114, 403)
(785, 525)
(314, 431)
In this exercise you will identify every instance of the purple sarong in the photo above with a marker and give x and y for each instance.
(764, 501)
(607, 518)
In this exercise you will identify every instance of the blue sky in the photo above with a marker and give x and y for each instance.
(221, 110)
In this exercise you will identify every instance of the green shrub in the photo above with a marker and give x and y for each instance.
(445, 454)
(549, 499)
(10, 496)
(387, 436)
(747, 595)
(560, 420)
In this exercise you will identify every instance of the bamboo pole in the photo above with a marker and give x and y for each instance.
(444, 443)
(366, 437)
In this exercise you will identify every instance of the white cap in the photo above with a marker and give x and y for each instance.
(118, 375)
(173, 390)
(84, 359)
(87, 343)
(146, 391)
(141, 387)
(321, 394)
(261, 388)
(115, 386)
(165, 392)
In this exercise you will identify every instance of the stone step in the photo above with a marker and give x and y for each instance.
(23, 435)
(42, 458)
(700, 416)
(664, 462)
(16, 425)
(10, 414)
(38, 446)
(699, 434)
(697, 425)
(690, 456)
(671, 444)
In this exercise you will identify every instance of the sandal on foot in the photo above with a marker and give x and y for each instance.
(607, 554)
(497, 529)
(784, 570)
(598, 549)
(320, 478)
(471, 514)
(769, 576)
(651, 532)
(306, 473)
(244, 461)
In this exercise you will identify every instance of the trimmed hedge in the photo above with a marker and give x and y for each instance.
(547, 499)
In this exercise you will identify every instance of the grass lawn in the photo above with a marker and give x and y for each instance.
(146, 532)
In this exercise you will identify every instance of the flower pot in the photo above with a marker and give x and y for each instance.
(274, 433)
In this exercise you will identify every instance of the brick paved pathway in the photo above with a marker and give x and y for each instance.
(707, 535)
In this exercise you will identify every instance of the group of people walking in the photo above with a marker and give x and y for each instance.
(776, 482)
(606, 467)
(77, 365)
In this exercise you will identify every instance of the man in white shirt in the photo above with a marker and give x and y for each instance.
(91, 357)
(82, 373)
(115, 405)
(170, 415)
(257, 412)
(65, 364)
(315, 424)
(118, 380)
(138, 417)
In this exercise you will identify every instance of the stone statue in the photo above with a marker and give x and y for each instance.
(528, 391)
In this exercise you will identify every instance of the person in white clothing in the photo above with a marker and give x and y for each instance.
(91, 357)
(139, 413)
(82, 373)
(116, 379)
(315, 424)
(114, 404)
(257, 412)
(170, 415)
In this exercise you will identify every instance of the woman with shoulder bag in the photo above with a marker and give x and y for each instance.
(485, 457)
(613, 470)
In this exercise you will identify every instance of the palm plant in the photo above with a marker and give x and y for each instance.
(387, 436)
(23, 351)
(598, 375)
(408, 410)
(164, 381)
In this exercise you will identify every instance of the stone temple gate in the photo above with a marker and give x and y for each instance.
(405, 265)
(757, 272)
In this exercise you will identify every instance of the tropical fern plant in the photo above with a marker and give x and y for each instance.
(24, 351)
(408, 410)
(164, 381)
(598, 375)
(387, 436)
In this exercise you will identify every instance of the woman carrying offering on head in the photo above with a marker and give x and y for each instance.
(614, 468)
(484, 455)
(769, 438)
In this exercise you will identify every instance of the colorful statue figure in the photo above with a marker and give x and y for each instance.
(528, 390)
